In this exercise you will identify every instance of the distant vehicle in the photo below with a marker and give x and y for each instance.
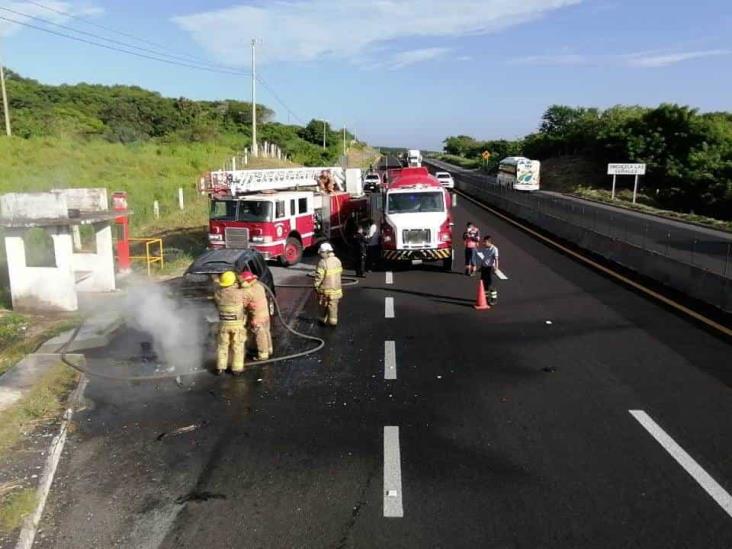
(414, 158)
(446, 179)
(372, 182)
(519, 173)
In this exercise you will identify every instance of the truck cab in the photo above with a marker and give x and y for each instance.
(416, 219)
(275, 224)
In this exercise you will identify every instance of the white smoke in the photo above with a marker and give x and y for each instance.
(178, 329)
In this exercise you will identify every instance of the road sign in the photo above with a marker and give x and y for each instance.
(626, 169)
(486, 155)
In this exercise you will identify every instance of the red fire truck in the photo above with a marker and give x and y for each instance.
(280, 212)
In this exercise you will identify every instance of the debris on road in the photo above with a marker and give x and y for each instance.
(181, 430)
(199, 496)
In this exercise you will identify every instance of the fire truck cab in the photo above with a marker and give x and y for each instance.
(280, 224)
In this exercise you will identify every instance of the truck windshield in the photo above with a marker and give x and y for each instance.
(255, 210)
(415, 202)
(223, 210)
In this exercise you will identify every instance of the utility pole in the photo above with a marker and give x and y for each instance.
(324, 122)
(6, 109)
(344, 140)
(255, 152)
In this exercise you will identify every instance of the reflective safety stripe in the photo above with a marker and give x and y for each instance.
(328, 272)
(228, 316)
(332, 293)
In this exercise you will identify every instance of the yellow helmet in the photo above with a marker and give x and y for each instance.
(227, 279)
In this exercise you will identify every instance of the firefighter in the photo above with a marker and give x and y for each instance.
(229, 300)
(256, 309)
(328, 283)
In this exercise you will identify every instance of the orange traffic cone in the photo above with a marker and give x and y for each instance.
(480, 303)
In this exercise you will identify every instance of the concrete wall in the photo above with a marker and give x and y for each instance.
(33, 206)
(96, 271)
(85, 200)
(41, 288)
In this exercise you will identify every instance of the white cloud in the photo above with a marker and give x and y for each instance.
(293, 30)
(664, 60)
(410, 57)
(638, 60)
(54, 11)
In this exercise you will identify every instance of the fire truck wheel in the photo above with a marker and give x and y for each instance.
(293, 252)
(447, 264)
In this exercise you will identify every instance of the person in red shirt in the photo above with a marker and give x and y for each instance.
(471, 239)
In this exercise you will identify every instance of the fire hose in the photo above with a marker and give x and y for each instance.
(168, 375)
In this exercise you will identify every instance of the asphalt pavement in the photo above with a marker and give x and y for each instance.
(575, 413)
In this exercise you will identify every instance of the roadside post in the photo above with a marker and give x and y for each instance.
(626, 169)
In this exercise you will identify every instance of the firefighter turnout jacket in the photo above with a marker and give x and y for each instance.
(328, 277)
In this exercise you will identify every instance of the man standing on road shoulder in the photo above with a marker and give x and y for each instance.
(471, 240)
(372, 246)
(486, 257)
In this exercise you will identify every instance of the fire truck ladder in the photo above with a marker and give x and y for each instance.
(251, 181)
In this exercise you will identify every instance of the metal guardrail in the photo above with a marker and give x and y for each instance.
(150, 258)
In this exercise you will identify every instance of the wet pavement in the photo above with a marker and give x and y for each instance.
(513, 425)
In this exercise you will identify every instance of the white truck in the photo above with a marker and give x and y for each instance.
(414, 158)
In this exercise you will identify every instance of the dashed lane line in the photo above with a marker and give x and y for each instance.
(501, 275)
(393, 505)
(710, 486)
(389, 307)
(389, 277)
(390, 367)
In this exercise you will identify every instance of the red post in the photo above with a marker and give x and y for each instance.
(119, 203)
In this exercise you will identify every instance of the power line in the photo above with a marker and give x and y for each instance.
(84, 20)
(279, 100)
(118, 42)
(113, 48)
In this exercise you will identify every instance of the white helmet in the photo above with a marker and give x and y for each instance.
(325, 248)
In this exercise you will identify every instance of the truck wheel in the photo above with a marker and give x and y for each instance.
(447, 264)
(293, 252)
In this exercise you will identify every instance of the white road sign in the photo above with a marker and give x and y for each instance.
(626, 169)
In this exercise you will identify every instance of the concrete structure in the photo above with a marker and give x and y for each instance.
(60, 213)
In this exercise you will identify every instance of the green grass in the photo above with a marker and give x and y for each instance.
(14, 507)
(624, 199)
(469, 163)
(12, 328)
(15, 350)
(44, 402)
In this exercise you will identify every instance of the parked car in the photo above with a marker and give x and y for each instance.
(200, 278)
(446, 179)
(371, 182)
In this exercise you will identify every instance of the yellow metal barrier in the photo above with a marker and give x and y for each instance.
(149, 257)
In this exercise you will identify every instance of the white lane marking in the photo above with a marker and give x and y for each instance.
(30, 526)
(719, 494)
(389, 307)
(390, 369)
(389, 277)
(499, 274)
(393, 506)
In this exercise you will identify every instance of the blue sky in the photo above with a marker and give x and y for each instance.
(403, 73)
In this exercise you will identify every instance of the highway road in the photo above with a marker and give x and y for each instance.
(576, 413)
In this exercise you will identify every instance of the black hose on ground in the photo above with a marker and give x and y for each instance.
(172, 375)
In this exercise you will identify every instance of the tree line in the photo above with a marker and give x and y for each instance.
(130, 114)
(688, 153)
